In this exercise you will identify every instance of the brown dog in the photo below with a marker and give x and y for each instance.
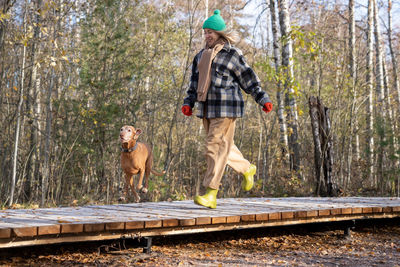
(136, 158)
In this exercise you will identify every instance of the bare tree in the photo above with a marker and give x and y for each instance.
(396, 88)
(390, 117)
(393, 55)
(49, 117)
(287, 63)
(33, 106)
(370, 103)
(279, 93)
(19, 116)
(381, 112)
(352, 69)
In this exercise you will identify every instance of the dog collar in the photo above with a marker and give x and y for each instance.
(130, 149)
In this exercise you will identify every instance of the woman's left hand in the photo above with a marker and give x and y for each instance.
(267, 107)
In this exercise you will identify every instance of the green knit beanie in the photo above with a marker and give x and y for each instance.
(215, 22)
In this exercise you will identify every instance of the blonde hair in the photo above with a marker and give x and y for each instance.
(231, 37)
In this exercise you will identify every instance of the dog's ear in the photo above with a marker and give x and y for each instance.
(138, 132)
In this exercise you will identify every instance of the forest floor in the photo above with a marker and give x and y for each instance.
(376, 243)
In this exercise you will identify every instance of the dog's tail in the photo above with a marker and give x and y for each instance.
(157, 173)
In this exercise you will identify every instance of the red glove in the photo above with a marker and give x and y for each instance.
(267, 107)
(187, 110)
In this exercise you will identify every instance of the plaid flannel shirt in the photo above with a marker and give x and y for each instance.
(229, 73)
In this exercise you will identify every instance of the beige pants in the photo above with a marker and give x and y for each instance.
(221, 150)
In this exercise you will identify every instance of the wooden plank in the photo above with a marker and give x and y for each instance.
(85, 214)
(262, 217)
(306, 214)
(124, 214)
(41, 217)
(336, 211)
(356, 210)
(94, 227)
(71, 228)
(25, 231)
(286, 215)
(256, 207)
(168, 211)
(125, 210)
(153, 224)
(187, 222)
(346, 211)
(49, 230)
(218, 220)
(274, 216)
(5, 233)
(377, 209)
(396, 209)
(14, 220)
(248, 218)
(387, 209)
(367, 210)
(324, 213)
(300, 214)
(235, 211)
(203, 220)
(134, 225)
(233, 219)
(312, 213)
(115, 226)
(170, 223)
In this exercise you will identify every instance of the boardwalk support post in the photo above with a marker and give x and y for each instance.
(145, 242)
(137, 242)
(349, 225)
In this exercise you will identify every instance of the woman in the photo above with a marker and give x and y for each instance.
(218, 72)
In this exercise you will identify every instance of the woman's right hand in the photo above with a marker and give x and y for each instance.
(267, 107)
(187, 110)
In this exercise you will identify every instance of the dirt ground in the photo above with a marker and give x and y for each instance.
(374, 243)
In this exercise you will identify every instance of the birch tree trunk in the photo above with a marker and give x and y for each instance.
(46, 165)
(314, 115)
(33, 105)
(396, 122)
(381, 112)
(352, 69)
(279, 93)
(394, 58)
(370, 112)
(19, 116)
(394, 164)
(287, 62)
(49, 118)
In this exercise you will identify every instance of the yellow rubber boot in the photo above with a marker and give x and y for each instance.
(208, 200)
(248, 178)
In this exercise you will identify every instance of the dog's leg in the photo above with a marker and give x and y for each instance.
(146, 182)
(125, 197)
(129, 181)
(148, 164)
(140, 182)
(147, 174)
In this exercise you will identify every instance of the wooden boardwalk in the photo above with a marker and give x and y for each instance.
(26, 227)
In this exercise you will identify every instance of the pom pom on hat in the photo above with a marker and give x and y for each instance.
(215, 22)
